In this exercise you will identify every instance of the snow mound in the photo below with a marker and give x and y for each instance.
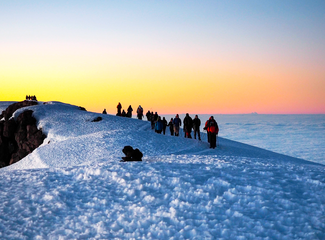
(73, 185)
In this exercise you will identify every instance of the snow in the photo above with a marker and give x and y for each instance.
(296, 135)
(73, 185)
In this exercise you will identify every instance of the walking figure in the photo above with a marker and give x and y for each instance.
(196, 127)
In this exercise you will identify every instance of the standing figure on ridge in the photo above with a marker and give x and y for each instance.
(164, 121)
(177, 122)
(129, 113)
(159, 126)
(140, 112)
(119, 108)
(213, 130)
(196, 127)
(155, 117)
(104, 112)
(171, 127)
(148, 115)
(188, 124)
(152, 120)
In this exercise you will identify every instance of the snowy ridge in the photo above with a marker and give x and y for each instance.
(73, 185)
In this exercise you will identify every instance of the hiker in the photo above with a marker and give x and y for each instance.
(119, 107)
(123, 113)
(213, 130)
(206, 128)
(177, 122)
(159, 126)
(140, 112)
(104, 112)
(188, 124)
(164, 121)
(155, 117)
(196, 127)
(129, 113)
(148, 115)
(152, 120)
(171, 127)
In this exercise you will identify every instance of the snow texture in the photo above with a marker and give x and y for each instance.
(73, 185)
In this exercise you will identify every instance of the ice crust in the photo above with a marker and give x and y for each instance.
(73, 186)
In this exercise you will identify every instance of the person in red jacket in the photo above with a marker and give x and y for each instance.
(212, 129)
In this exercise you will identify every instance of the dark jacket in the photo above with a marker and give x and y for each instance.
(188, 123)
(164, 121)
(196, 123)
(177, 122)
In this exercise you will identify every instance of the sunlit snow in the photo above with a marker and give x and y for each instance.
(73, 185)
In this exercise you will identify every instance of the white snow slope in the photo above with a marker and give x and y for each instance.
(73, 185)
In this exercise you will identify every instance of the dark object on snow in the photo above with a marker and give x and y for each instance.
(82, 108)
(131, 154)
(18, 137)
(97, 119)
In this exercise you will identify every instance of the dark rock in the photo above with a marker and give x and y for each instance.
(82, 108)
(131, 154)
(97, 119)
(26, 118)
(18, 155)
(18, 138)
(31, 130)
(2, 164)
(1, 127)
(9, 128)
(13, 107)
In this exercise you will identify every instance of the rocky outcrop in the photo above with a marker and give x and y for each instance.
(18, 137)
(97, 119)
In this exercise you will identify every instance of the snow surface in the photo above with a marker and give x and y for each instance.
(296, 135)
(73, 185)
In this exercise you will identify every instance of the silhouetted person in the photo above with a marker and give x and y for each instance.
(171, 127)
(196, 127)
(119, 108)
(104, 112)
(188, 124)
(213, 130)
(164, 121)
(155, 117)
(159, 125)
(129, 113)
(152, 120)
(140, 112)
(177, 122)
(148, 115)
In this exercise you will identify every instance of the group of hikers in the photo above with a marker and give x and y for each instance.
(128, 113)
(211, 126)
(160, 125)
(29, 97)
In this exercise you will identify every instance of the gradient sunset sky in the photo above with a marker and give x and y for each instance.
(199, 57)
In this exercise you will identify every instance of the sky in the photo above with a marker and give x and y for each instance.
(225, 57)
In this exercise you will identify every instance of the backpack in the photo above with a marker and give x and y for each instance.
(213, 126)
